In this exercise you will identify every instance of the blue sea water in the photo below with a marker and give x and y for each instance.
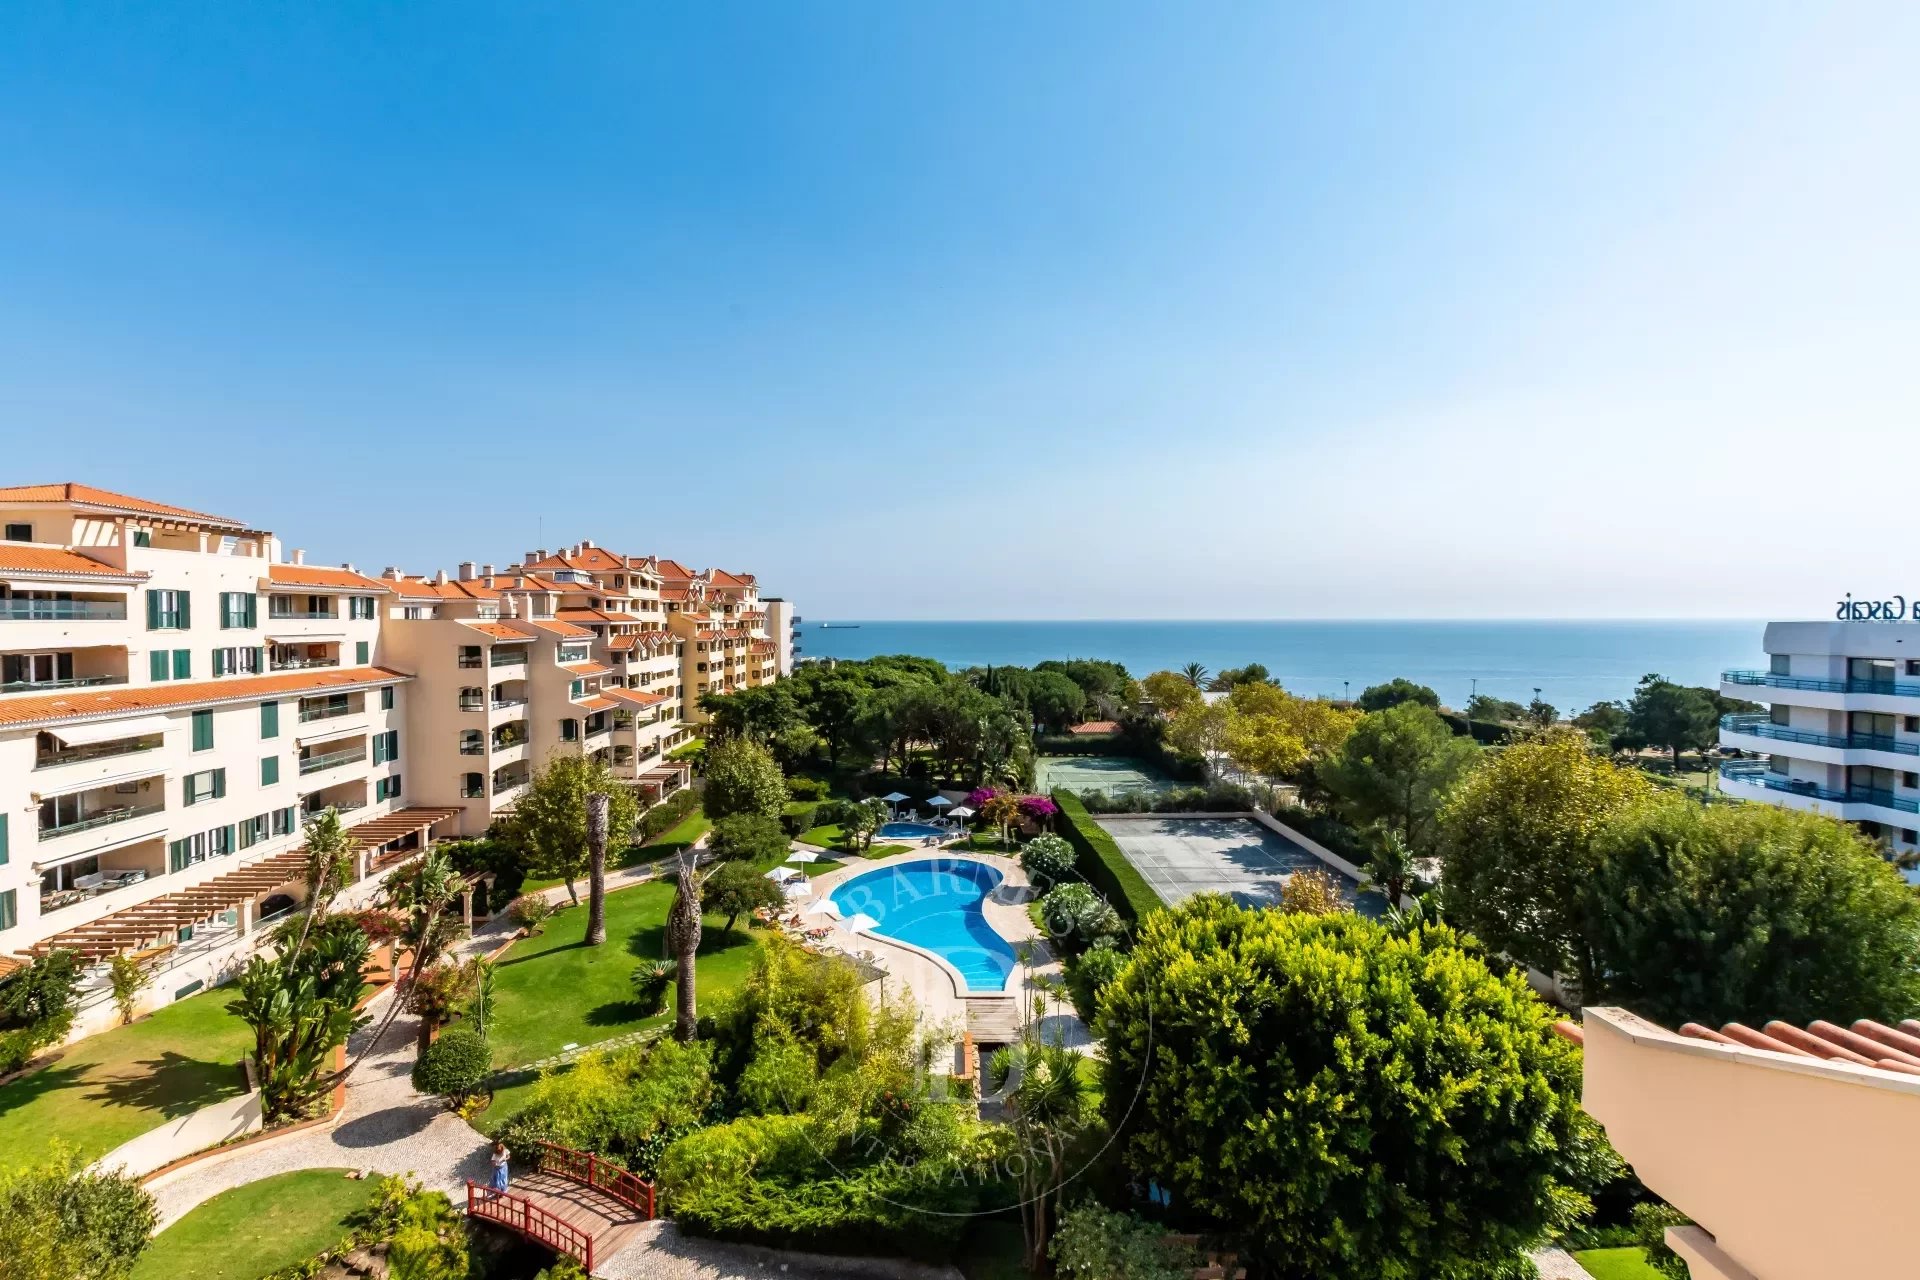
(1573, 663)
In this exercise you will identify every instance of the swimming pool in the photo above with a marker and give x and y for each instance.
(910, 830)
(934, 904)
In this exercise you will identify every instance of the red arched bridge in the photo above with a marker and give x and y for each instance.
(574, 1203)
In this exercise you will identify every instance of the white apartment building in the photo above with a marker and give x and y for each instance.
(1841, 735)
(176, 699)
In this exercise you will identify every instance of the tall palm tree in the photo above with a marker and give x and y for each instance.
(1195, 675)
(597, 802)
(683, 936)
(329, 851)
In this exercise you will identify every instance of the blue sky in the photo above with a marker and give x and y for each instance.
(1063, 310)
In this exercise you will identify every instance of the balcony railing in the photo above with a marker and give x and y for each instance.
(508, 658)
(1756, 773)
(1762, 727)
(94, 751)
(275, 615)
(311, 714)
(470, 662)
(1768, 680)
(100, 882)
(100, 818)
(331, 760)
(473, 748)
(302, 664)
(16, 609)
(501, 704)
(71, 682)
(472, 793)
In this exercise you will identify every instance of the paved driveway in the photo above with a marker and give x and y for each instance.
(1236, 856)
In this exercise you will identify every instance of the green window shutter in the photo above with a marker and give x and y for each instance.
(3, 839)
(253, 611)
(153, 610)
(157, 665)
(183, 664)
(393, 744)
(186, 790)
(176, 855)
(203, 731)
(386, 698)
(360, 653)
(219, 662)
(219, 783)
(269, 770)
(186, 610)
(226, 609)
(9, 909)
(259, 658)
(269, 719)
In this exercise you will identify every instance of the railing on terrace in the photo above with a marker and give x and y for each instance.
(303, 664)
(473, 748)
(331, 760)
(72, 682)
(472, 663)
(508, 658)
(311, 714)
(100, 818)
(16, 609)
(94, 751)
(275, 615)
(1815, 684)
(521, 1214)
(1754, 772)
(1760, 726)
(501, 704)
(107, 882)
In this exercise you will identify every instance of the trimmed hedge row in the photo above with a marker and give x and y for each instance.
(1102, 864)
(1488, 733)
(1078, 744)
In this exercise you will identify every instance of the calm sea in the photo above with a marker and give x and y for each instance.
(1573, 664)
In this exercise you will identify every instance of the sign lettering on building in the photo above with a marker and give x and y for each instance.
(1894, 610)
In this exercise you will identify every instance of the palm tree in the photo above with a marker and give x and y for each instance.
(597, 803)
(683, 936)
(1048, 1104)
(1390, 863)
(1195, 675)
(329, 867)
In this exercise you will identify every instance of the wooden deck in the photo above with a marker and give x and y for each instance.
(574, 1203)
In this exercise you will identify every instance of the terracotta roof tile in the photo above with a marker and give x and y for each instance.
(587, 669)
(557, 628)
(589, 560)
(313, 575)
(522, 582)
(673, 570)
(635, 698)
(87, 495)
(1864, 1044)
(1096, 726)
(620, 644)
(426, 588)
(88, 704)
(58, 562)
(498, 630)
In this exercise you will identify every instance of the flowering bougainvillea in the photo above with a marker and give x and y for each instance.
(1041, 808)
(979, 797)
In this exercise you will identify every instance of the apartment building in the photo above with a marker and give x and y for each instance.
(1841, 734)
(178, 698)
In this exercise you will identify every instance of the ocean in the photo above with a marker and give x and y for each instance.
(1573, 664)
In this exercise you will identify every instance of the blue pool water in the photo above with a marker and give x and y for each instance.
(935, 905)
(910, 830)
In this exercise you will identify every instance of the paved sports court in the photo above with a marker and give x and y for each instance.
(1236, 856)
(1110, 774)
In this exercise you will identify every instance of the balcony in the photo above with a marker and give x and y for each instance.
(71, 682)
(301, 615)
(20, 609)
(473, 747)
(1814, 684)
(1761, 727)
(331, 760)
(332, 711)
(508, 658)
(1756, 773)
(505, 704)
(301, 664)
(49, 758)
(93, 819)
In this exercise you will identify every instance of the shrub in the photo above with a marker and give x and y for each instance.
(806, 788)
(747, 837)
(1101, 863)
(17, 1048)
(1092, 1243)
(650, 983)
(625, 1104)
(454, 1066)
(58, 1218)
(742, 777)
(1091, 971)
(1047, 859)
(127, 980)
(1077, 917)
(530, 911)
(799, 818)
(779, 1078)
(668, 814)
(830, 813)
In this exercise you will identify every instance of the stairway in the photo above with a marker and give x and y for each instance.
(993, 1019)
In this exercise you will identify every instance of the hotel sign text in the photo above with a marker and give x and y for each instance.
(1894, 610)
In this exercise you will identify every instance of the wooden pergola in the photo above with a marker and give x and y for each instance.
(160, 919)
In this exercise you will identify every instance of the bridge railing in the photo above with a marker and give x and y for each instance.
(529, 1219)
(590, 1170)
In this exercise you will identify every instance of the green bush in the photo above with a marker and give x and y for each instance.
(17, 1048)
(1092, 1243)
(1102, 864)
(650, 983)
(454, 1066)
(1087, 973)
(806, 788)
(530, 911)
(1047, 859)
(1077, 918)
(621, 1103)
(668, 814)
(799, 818)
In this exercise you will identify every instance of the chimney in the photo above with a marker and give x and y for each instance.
(440, 578)
(392, 572)
(541, 554)
(299, 555)
(486, 571)
(349, 568)
(466, 571)
(587, 543)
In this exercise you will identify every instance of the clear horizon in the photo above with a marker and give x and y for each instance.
(1518, 313)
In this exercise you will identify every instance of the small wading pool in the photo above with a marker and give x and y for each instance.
(910, 830)
(935, 904)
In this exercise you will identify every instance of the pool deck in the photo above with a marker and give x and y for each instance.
(937, 987)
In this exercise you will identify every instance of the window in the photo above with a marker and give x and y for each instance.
(386, 698)
(19, 533)
(9, 909)
(387, 789)
(183, 664)
(1777, 764)
(569, 731)
(469, 656)
(159, 665)
(578, 689)
(217, 843)
(143, 537)
(472, 742)
(169, 611)
(253, 830)
(1780, 664)
(269, 770)
(203, 731)
(209, 784)
(472, 786)
(1910, 779)
(249, 660)
(269, 720)
(574, 653)
(1780, 713)
(360, 607)
(1913, 666)
(360, 653)
(238, 609)
(3, 839)
(36, 668)
(283, 823)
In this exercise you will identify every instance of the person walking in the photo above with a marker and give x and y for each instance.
(499, 1159)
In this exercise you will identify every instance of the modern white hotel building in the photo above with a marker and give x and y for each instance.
(1841, 735)
(177, 698)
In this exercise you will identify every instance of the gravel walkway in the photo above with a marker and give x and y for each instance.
(660, 1252)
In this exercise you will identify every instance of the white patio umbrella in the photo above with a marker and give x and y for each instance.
(861, 923)
(803, 855)
(893, 798)
(939, 802)
(960, 811)
(784, 874)
(800, 888)
(824, 907)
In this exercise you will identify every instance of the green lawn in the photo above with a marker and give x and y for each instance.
(261, 1227)
(553, 990)
(1629, 1263)
(833, 838)
(119, 1084)
(665, 845)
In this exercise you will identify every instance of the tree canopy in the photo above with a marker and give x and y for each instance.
(1673, 716)
(550, 822)
(742, 777)
(1747, 912)
(1396, 768)
(1349, 1103)
(1396, 691)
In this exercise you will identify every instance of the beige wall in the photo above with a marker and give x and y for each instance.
(1797, 1169)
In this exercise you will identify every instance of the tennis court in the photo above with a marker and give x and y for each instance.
(1236, 856)
(1112, 775)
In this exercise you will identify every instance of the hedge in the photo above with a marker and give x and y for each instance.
(1102, 864)
(1488, 733)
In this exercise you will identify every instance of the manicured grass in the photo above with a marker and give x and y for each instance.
(257, 1228)
(832, 837)
(1629, 1263)
(117, 1085)
(665, 845)
(1102, 864)
(554, 990)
